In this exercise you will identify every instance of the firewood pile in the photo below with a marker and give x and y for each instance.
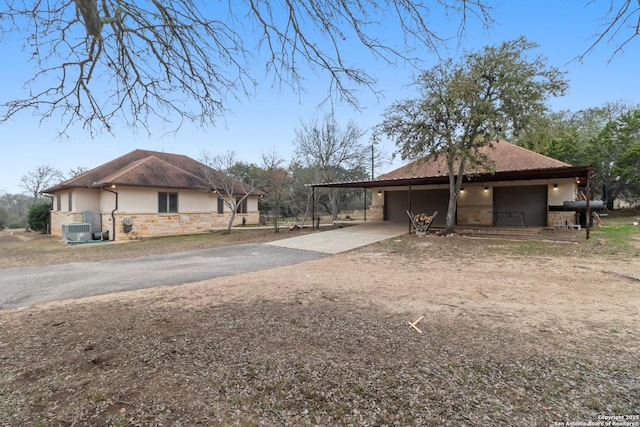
(421, 222)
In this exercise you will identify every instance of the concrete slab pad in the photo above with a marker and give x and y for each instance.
(344, 239)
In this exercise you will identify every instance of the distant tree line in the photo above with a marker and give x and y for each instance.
(607, 137)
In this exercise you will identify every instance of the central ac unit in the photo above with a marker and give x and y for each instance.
(77, 232)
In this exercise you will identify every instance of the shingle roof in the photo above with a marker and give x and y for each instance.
(505, 157)
(143, 168)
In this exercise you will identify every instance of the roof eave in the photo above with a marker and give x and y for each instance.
(516, 175)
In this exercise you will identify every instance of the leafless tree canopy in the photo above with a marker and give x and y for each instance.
(98, 60)
(42, 177)
(620, 25)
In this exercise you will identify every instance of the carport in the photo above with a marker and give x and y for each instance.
(407, 200)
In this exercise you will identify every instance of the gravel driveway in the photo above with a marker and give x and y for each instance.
(20, 287)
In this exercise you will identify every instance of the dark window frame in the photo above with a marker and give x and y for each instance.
(168, 202)
(241, 206)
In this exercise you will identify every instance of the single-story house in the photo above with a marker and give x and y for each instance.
(520, 188)
(147, 193)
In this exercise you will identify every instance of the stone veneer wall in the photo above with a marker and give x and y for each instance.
(474, 215)
(561, 216)
(59, 217)
(149, 225)
(376, 213)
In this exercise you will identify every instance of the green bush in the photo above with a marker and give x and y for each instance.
(4, 218)
(38, 216)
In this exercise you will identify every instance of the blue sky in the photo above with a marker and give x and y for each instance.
(563, 29)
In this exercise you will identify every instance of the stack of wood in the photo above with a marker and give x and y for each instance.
(422, 221)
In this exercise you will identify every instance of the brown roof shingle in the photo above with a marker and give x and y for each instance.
(143, 168)
(505, 157)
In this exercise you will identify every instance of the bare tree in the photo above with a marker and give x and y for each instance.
(621, 25)
(334, 153)
(73, 172)
(99, 60)
(222, 181)
(42, 177)
(276, 180)
(300, 193)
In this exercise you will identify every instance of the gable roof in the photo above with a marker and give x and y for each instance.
(504, 157)
(143, 168)
(509, 162)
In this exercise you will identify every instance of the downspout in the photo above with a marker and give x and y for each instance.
(113, 213)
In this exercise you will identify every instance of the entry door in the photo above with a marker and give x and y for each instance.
(532, 199)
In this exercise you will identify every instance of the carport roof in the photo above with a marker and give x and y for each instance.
(580, 172)
(509, 163)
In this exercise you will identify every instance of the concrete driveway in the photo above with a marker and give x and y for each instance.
(344, 239)
(21, 287)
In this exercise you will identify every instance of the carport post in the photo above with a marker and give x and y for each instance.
(410, 206)
(313, 208)
(588, 213)
(365, 204)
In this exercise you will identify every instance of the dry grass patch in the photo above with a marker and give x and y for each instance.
(517, 331)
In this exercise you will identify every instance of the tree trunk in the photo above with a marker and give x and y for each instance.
(233, 218)
(455, 185)
(451, 209)
(333, 199)
(276, 227)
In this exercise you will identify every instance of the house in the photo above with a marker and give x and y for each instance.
(147, 193)
(518, 188)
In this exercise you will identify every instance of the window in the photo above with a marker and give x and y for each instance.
(220, 205)
(241, 205)
(59, 202)
(167, 202)
(70, 201)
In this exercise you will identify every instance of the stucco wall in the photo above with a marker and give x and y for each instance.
(59, 217)
(565, 191)
(85, 199)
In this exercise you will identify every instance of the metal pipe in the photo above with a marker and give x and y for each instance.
(365, 203)
(588, 214)
(410, 205)
(313, 208)
(113, 213)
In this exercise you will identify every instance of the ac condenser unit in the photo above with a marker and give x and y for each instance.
(77, 232)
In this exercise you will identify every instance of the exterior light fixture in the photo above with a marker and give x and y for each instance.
(486, 189)
(555, 186)
(113, 186)
(379, 193)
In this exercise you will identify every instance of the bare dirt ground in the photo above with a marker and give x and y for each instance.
(516, 331)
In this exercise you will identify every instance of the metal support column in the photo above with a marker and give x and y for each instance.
(365, 204)
(588, 213)
(313, 208)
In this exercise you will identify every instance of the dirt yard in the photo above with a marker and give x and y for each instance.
(516, 331)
